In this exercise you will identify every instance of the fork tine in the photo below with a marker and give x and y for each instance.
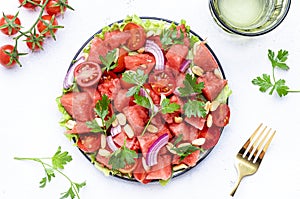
(246, 145)
(253, 147)
(266, 146)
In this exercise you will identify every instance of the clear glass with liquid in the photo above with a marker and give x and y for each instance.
(249, 17)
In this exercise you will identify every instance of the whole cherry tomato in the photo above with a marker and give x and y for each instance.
(35, 42)
(29, 5)
(47, 26)
(8, 61)
(10, 24)
(56, 7)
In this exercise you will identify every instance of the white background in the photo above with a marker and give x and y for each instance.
(29, 116)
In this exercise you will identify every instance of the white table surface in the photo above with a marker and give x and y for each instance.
(29, 116)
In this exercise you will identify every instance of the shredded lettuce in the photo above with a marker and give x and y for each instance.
(224, 94)
(65, 115)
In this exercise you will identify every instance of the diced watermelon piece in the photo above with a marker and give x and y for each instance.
(211, 136)
(137, 117)
(190, 160)
(139, 172)
(162, 170)
(121, 100)
(176, 54)
(180, 128)
(197, 122)
(119, 140)
(98, 48)
(79, 128)
(146, 141)
(116, 38)
(213, 85)
(110, 88)
(78, 105)
(204, 58)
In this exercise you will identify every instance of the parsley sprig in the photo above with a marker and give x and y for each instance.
(193, 107)
(170, 36)
(269, 83)
(183, 151)
(139, 79)
(108, 62)
(102, 110)
(122, 157)
(58, 162)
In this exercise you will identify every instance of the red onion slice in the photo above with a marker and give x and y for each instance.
(111, 143)
(151, 157)
(185, 65)
(153, 48)
(69, 78)
(115, 130)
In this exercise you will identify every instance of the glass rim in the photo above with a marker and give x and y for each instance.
(251, 34)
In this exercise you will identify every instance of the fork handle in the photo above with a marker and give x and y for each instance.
(236, 185)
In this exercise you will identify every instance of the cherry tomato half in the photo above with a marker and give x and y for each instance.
(56, 7)
(129, 167)
(89, 143)
(162, 82)
(6, 60)
(42, 26)
(221, 115)
(120, 63)
(138, 36)
(87, 74)
(10, 27)
(30, 5)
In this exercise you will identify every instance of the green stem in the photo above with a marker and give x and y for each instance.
(57, 170)
(294, 91)
(148, 123)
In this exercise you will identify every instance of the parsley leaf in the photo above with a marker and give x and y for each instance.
(167, 107)
(134, 77)
(265, 82)
(190, 86)
(58, 161)
(183, 151)
(102, 106)
(102, 110)
(194, 108)
(121, 157)
(279, 60)
(142, 101)
(169, 37)
(108, 60)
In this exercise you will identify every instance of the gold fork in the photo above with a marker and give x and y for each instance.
(251, 154)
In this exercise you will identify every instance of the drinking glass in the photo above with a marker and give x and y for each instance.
(249, 17)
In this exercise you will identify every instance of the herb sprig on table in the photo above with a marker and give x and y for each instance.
(269, 83)
(58, 162)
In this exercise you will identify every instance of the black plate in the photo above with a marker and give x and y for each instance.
(203, 154)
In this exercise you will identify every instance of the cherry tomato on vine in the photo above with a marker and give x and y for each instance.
(56, 7)
(35, 42)
(5, 59)
(29, 5)
(10, 24)
(47, 26)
